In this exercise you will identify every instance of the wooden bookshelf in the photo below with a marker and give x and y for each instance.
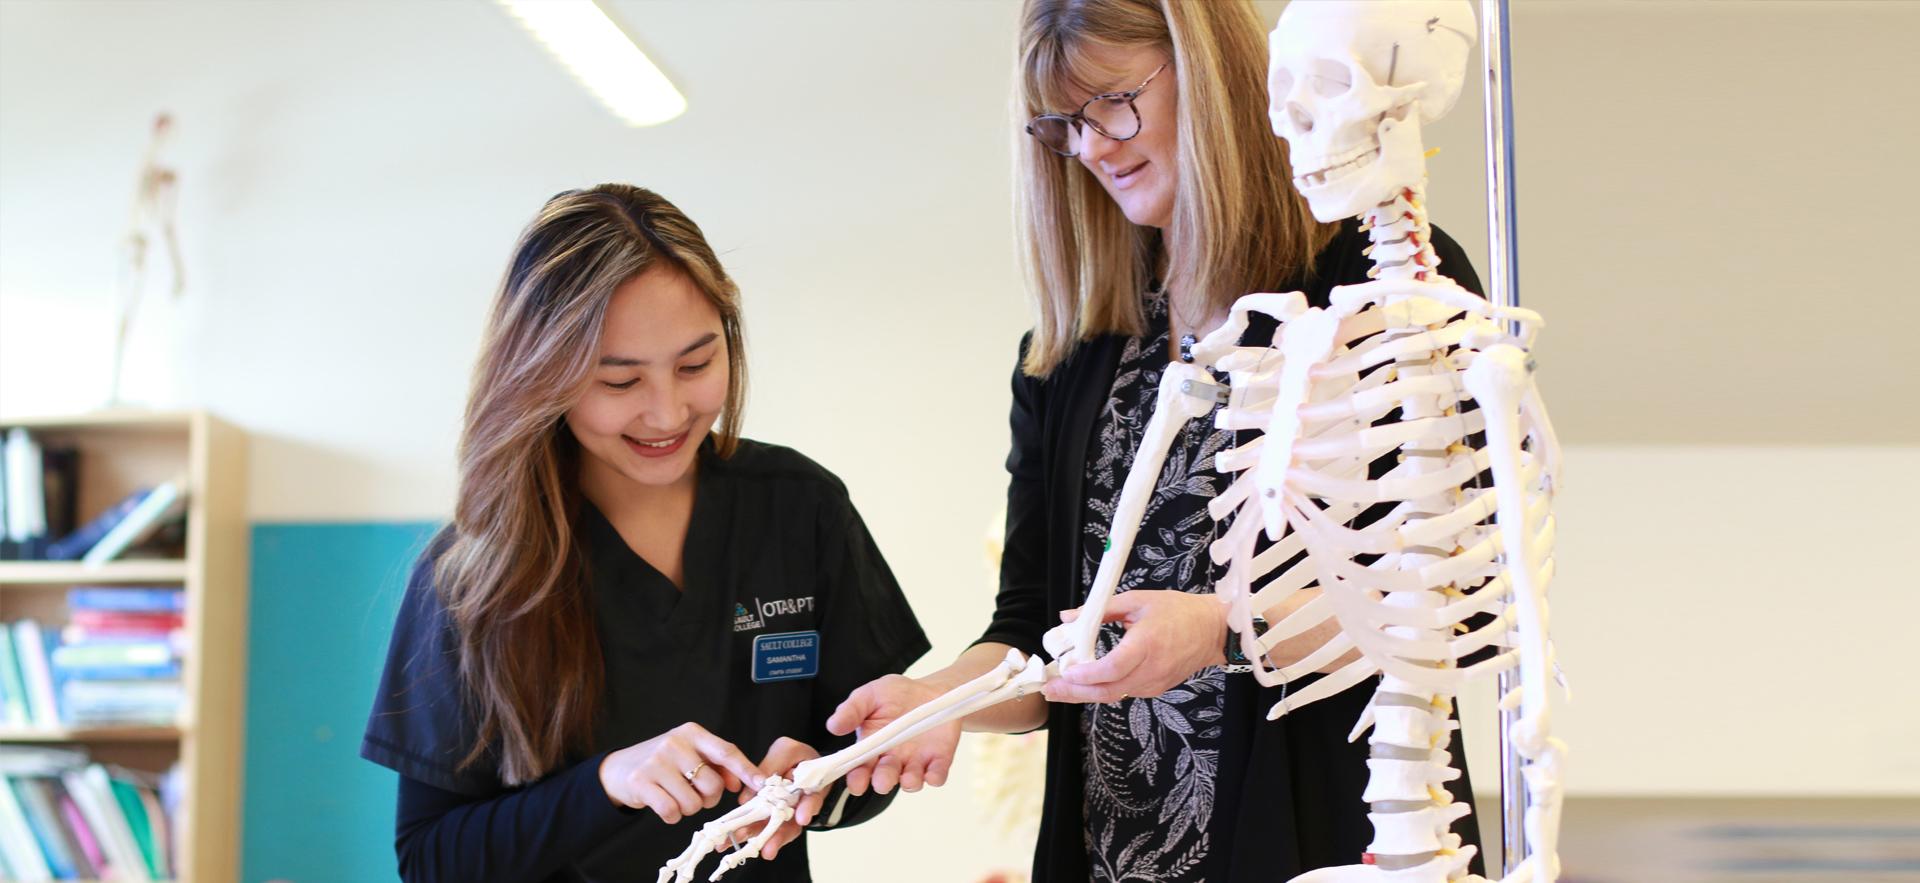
(121, 451)
(104, 735)
(73, 573)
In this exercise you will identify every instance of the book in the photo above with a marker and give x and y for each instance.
(77, 634)
(74, 545)
(17, 840)
(108, 622)
(113, 654)
(7, 551)
(88, 846)
(26, 496)
(93, 792)
(133, 600)
(121, 659)
(45, 824)
(153, 508)
(53, 793)
(121, 672)
(60, 489)
(17, 713)
(127, 795)
(123, 702)
(39, 760)
(81, 793)
(162, 832)
(30, 647)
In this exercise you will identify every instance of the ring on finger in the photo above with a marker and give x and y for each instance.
(692, 773)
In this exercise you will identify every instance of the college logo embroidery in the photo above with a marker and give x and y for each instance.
(784, 606)
(745, 621)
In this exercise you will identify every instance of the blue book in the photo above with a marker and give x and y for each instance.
(127, 600)
(68, 673)
(44, 821)
(76, 544)
(17, 714)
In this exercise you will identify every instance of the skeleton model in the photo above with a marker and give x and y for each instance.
(1409, 365)
(1389, 370)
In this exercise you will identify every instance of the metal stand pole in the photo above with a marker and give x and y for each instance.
(1503, 279)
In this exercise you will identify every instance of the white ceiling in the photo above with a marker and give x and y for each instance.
(1710, 193)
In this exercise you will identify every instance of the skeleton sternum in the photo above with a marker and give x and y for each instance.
(1411, 809)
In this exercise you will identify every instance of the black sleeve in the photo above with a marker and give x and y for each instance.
(867, 628)
(1020, 614)
(419, 726)
(867, 631)
(461, 823)
(1454, 263)
(522, 835)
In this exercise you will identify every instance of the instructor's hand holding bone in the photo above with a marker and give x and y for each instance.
(1170, 636)
(677, 773)
(923, 760)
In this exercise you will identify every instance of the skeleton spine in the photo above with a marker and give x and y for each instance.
(1409, 761)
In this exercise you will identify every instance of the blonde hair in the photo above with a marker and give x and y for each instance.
(511, 576)
(1244, 226)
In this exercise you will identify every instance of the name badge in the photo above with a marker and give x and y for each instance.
(790, 656)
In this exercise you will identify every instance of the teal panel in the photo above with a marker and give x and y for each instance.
(323, 602)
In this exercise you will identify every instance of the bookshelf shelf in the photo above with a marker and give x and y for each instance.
(124, 418)
(73, 573)
(118, 453)
(90, 734)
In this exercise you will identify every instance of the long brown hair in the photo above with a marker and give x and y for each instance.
(1234, 206)
(512, 576)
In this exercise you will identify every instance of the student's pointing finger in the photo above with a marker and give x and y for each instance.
(723, 754)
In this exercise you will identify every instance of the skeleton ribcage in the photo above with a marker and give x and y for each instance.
(1384, 488)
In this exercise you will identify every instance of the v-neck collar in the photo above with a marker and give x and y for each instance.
(633, 572)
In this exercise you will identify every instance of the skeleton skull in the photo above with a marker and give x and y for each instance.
(1349, 84)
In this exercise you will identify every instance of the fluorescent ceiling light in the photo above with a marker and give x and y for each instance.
(603, 57)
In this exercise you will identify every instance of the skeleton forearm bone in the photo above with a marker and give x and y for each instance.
(774, 804)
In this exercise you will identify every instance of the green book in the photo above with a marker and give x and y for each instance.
(12, 683)
(128, 796)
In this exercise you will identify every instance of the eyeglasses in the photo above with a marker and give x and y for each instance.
(1111, 114)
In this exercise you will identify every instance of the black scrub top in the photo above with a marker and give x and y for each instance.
(776, 559)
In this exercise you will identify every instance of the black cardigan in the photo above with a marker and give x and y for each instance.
(1288, 798)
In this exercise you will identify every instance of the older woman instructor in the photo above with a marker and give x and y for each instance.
(1153, 194)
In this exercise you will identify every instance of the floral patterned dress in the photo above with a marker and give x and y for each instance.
(1151, 763)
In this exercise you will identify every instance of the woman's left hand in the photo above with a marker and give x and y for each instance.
(1170, 636)
(782, 757)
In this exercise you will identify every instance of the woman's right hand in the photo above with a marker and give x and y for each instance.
(924, 759)
(654, 773)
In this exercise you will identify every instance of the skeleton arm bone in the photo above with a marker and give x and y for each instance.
(955, 703)
(774, 804)
(1500, 380)
(1497, 379)
(1185, 392)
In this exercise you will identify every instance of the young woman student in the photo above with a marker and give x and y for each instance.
(635, 613)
